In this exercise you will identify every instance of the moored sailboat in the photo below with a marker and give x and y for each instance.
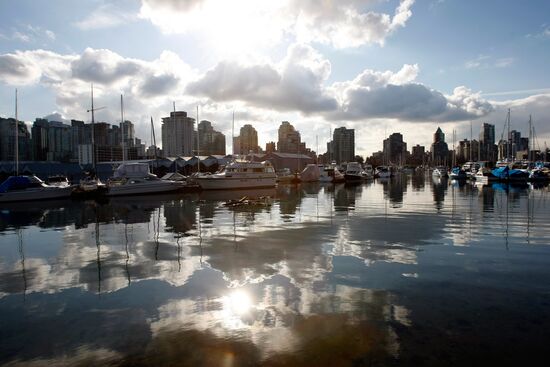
(28, 187)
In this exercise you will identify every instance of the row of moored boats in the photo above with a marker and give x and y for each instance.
(504, 171)
(136, 178)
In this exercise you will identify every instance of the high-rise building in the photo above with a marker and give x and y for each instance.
(468, 150)
(395, 149)
(270, 147)
(7, 140)
(487, 142)
(59, 142)
(440, 150)
(418, 154)
(247, 141)
(128, 133)
(39, 131)
(343, 145)
(289, 139)
(177, 134)
(211, 142)
(52, 141)
(80, 134)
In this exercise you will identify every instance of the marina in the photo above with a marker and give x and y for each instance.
(372, 273)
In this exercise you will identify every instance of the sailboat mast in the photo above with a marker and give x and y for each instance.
(154, 140)
(233, 134)
(471, 143)
(509, 138)
(124, 157)
(454, 151)
(175, 129)
(529, 145)
(16, 138)
(316, 149)
(198, 155)
(93, 129)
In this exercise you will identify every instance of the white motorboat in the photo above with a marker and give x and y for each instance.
(26, 188)
(440, 171)
(58, 180)
(382, 172)
(330, 174)
(240, 175)
(368, 172)
(285, 176)
(136, 179)
(310, 173)
(354, 172)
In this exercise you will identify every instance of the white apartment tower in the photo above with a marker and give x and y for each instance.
(177, 134)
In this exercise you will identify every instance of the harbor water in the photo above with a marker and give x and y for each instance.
(410, 271)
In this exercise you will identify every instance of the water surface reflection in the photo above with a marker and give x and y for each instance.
(325, 275)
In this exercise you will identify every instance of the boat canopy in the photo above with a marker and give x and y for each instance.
(505, 173)
(132, 170)
(19, 183)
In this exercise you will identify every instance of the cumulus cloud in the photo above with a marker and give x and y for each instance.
(536, 106)
(296, 83)
(375, 94)
(56, 116)
(149, 87)
(344, 23)
(103, 66)
(29, 67)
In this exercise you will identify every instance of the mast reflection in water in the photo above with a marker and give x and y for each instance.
(407, 271)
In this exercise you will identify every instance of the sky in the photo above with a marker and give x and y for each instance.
(377, 66)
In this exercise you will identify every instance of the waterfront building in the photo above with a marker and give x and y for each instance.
(342, 146)
(439, 148)
(52, 141)
(468, 150)
(7, 140)
(247, 141)
(59, 142)
(487, 142)
(395, 149)
(211, 142)
(289, 139)
(270, 147)
(39, 132)
(418, 154)
(128, 133)
(177, 134)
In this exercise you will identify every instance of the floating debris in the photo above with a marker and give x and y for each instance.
(246, 201)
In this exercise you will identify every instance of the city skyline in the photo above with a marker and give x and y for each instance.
(376, 67)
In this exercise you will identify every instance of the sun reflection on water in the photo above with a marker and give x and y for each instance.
(236, 306)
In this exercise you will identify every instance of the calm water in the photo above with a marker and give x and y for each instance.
(401, 272)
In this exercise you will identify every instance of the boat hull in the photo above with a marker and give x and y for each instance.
(32, 194)
(229, 183)
(144, 188)
(353, 177)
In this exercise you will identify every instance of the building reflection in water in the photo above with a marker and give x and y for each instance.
(185, 277)
(439, 188)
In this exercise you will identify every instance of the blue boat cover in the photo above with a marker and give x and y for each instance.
(15, 183)
(505, 173)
